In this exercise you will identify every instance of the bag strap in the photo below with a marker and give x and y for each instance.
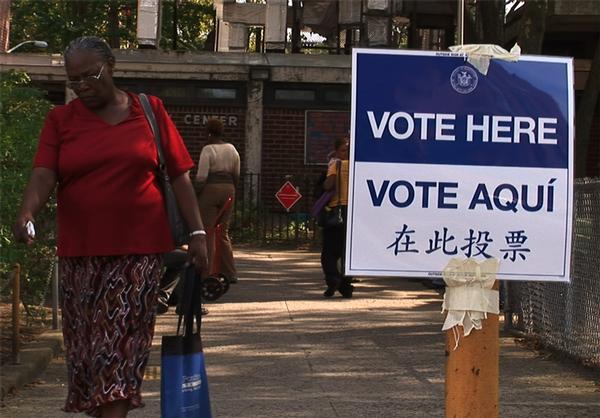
(338, 184)
(189, 307)
(338, 169)
(187, 320)
(156, 132)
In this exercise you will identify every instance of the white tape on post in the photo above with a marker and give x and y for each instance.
(479, 55)
(469, 296)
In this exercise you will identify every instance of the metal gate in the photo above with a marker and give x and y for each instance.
(260, 219)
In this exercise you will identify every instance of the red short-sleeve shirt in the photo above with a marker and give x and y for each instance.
(109, 200)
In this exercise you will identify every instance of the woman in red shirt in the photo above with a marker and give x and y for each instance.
(112, 226)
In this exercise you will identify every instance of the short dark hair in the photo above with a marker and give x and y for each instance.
(214, 127)
(340, 141)
(91, 44)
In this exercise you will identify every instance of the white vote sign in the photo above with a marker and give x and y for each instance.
(449, 163)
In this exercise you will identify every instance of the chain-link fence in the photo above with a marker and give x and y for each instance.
(566, 316)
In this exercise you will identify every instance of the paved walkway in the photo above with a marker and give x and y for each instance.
(276, 348)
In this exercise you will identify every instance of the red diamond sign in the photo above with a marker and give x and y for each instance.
(288, 195)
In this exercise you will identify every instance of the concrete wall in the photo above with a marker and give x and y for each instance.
(248, 125)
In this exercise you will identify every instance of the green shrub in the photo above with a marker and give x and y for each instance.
(22, 113)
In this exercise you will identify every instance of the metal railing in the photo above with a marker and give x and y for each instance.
(259, 218)
(565, 316)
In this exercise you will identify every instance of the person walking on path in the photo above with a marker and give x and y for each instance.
(217, 177)
(112, 226)
(334, 237)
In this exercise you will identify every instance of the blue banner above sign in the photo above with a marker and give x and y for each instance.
(440, 110)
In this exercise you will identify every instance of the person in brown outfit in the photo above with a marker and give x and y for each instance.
(217, 177)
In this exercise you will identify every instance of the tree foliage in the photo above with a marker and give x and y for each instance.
(59, 21)
(490, 21)
(532, 26)
(22, 112)
(195, 20)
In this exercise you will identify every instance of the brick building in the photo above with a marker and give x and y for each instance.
(262, 99)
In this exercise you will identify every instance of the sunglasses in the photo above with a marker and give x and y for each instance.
(88, 79)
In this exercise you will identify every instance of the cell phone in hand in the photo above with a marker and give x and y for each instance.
(30, 229)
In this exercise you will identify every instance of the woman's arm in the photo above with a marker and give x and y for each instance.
(236, 170)
(332, 171)
(41, 184)
(329, 182)
(202, 172)
(203, 165)
(186, 199)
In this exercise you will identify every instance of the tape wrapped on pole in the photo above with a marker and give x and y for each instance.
(479, 55)
(469, 296)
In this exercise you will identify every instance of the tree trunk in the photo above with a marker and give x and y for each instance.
(490, 19)
(113, 25)
(470, 24)
(586, 110)
(533, 26)
(175, 24)
(296, 27)
(4, 25)
(79, 8)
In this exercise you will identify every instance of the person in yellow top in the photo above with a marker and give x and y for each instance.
(334, 237)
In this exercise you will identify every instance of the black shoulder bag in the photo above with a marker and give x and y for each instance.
(179, 229)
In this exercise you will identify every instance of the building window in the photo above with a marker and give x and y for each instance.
(217, 93)
(173, 91)
(338, 96)
(432, 39)
(176, 92)
(304, 95)
(255, 39)
(295, 95)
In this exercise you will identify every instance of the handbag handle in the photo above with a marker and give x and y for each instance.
(189, 306)
(188, 323)
(156, 132)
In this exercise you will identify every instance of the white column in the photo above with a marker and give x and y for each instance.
(231, 36)
(276, 25)
(148, 23)
(254, 124)
(349, 12)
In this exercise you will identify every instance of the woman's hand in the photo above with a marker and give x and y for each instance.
(20, 230)
(38, 190)
(186, 198)
(198, 254)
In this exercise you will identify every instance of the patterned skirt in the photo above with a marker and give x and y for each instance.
(108, 312)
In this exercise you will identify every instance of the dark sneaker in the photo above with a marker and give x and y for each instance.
(161, 308)
(232, 280)
(329, 292)
(347, 291)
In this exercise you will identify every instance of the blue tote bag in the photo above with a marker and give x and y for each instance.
(184, 385)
